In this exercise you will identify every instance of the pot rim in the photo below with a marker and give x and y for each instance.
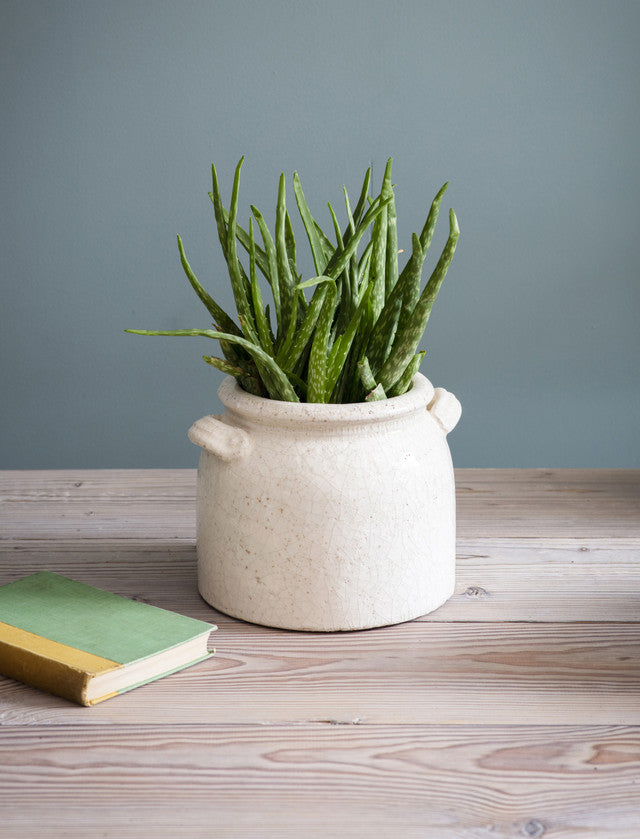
(274, 411)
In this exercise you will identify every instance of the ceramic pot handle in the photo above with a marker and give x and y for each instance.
(445, 409)
(220, 439)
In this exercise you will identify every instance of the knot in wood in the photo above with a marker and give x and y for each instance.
(533, 828)
(475, 591)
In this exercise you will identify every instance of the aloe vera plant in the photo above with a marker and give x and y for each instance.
(349, 334)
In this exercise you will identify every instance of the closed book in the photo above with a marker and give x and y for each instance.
(86, 644)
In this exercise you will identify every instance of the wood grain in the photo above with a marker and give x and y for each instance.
(552, 503)
(507, 579)
(106, 526)
(414, 673)
(159, 503)
(512, 711)
(401, 781)
(96, 504)
(545, 579)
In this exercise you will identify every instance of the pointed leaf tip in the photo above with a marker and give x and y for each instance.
(453, 223)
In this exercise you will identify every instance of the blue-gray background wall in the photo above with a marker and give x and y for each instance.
(111, 113)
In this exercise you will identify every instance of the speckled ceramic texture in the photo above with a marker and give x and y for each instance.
(327, 517)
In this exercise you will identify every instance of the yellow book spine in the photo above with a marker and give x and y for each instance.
(49, 665)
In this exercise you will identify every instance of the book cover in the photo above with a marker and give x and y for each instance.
(86, 644)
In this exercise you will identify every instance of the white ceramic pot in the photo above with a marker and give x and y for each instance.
(327, 517)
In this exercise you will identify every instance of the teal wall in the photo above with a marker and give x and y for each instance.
(113, 111)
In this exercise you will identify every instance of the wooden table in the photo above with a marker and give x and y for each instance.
(512, 711)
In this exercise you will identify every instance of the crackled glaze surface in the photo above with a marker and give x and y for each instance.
(327, 517)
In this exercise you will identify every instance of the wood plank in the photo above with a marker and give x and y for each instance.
(159, 504)
(471, 722)
(160, 573)
(413, 673)
(557, 503)
(544, 579)
(319, 781)
(497, 579)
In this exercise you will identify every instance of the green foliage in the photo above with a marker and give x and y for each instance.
(357, 336)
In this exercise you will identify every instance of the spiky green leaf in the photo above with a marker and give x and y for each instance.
(216, 311)
(279, 385)
(409, 335)
(318, 360)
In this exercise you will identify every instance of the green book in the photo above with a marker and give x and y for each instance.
(86, 644)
